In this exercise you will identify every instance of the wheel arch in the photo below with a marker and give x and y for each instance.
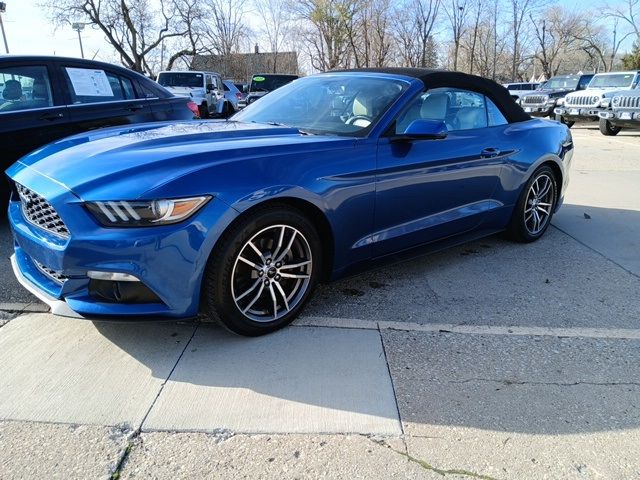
(313, 213)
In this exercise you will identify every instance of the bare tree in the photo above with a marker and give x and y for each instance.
(457, 12)
(324, 32)
(276, 24)
(225, 26)
(414, 32)
(519, 10)
(627, 11)
(556, 34)
(474, 36)
(135, 29)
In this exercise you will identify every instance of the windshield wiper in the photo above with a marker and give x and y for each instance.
(278, 124)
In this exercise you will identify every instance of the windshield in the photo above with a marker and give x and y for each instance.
(617, 80)
(267, 83)
(344, 104)
(557, 83)
(181, 79)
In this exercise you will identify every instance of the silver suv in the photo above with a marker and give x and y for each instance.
(623, 112)
(587, 104)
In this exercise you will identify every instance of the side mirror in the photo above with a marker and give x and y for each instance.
(210, 87)
(423, 129)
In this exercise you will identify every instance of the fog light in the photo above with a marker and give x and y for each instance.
(112, 276)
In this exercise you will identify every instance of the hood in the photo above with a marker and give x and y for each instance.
(124, 163)
(554, 92)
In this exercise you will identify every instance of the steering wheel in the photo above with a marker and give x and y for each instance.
(361, 119)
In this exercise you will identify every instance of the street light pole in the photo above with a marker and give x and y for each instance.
(78, 27)
(3, 9)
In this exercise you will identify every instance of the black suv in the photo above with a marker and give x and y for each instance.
(542, 102)
(263, 83)
(43, 99)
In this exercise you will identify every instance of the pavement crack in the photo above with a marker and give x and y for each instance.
(184, 349)
(393, 387)
(428, 466)
(556, 384)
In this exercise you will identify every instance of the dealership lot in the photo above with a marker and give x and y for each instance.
(490, 360)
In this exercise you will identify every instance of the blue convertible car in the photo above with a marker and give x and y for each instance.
(242, 218)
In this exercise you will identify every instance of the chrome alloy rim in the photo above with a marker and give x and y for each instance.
(271, 273)
(537, 209)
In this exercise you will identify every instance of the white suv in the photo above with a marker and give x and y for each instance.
(204, 88)
(587, 104)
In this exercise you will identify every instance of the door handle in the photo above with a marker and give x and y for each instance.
(52, 116)
(490, 152)
(135, 107)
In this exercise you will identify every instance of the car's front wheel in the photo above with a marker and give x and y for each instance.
(532, 214)
(263, 271)
(607, 128)
(204, 110)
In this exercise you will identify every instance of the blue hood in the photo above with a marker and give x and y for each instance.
(126, 162)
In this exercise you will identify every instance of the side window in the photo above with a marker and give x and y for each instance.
(146, 92)
(226, 89)
(24, 88)
(458, 109)
(494, 115)
(87, 85)
(583, 82)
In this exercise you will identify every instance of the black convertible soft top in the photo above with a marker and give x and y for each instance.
(443, 78)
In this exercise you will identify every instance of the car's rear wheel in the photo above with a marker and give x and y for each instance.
(204, 110)
(607, 128)
(532, 214)
(564, 121)
(263, 271)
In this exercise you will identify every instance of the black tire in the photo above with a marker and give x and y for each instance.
(225, 271)
(204, 110)
(564, 121)
(226, 110)
(519, 226)
(606, 128)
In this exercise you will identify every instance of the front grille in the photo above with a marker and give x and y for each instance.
(582, 100)
(535, 99)
(628, 102)
(54, 275)
(39, 212)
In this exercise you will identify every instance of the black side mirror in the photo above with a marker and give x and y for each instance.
(423, 129)
(210, 87)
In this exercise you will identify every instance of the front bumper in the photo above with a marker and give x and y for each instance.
(169, 261)
(538, 110)
(578, 113)
(622, 118)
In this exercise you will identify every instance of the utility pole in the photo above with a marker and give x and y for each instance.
(3, 9)
(78, 27)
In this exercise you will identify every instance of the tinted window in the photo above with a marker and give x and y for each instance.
(181, 79)
(90, 85)
(266, 83)
(24, 88)
(458, 109)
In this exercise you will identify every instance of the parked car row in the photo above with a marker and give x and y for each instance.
(612, 99)
(43, 99)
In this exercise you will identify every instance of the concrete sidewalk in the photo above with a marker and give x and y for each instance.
(311, 402)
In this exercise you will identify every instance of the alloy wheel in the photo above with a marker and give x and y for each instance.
(539, 204)
(271, 273)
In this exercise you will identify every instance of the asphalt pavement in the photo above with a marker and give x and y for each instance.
(491, 360)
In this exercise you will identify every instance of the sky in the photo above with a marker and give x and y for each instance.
(30, 32)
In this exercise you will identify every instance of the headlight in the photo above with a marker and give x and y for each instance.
(145, 213)
(616, 100)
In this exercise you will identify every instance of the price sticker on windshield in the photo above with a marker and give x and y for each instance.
(258, 79)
